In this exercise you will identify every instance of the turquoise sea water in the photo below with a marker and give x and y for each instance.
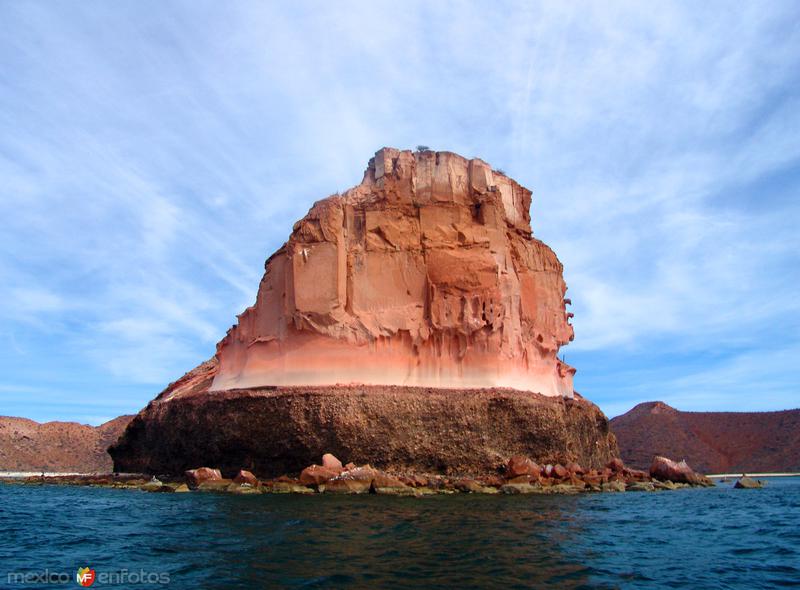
(698, 538)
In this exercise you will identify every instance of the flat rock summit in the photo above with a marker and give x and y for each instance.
(412, 322)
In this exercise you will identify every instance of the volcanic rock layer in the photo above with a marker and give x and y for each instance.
(277, 430)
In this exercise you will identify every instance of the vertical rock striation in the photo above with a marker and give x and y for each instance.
(425, 274)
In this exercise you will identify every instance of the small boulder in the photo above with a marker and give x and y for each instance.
(181, 489)
(353, 481)
(560, 471)
(363, 473)
(748, 483)
(347, 486)
(316, 475)
(329, 461)
(574, 468)
(154, 485)
(493, 481)
(384, 480)
(519, 465)
(668, 470)
(246, 477)
(195, 477)
(616, 465)
(576, 481)
(420, 481)
(592, 480)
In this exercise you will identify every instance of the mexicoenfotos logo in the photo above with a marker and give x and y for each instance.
(85, 576)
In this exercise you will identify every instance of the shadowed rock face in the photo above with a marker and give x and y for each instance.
(425, 274)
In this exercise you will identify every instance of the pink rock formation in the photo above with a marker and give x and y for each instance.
(669, 470)
(518, 465)
(329, 461)
(425, 274)
(246, 477)
(195, 477)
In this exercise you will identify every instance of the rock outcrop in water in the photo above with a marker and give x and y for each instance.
(411, 322)
(713, 442)
(666, 469)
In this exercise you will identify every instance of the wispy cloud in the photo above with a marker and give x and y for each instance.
(153, 155)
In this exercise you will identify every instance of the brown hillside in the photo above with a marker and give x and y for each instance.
(26, 445)
(712, 442)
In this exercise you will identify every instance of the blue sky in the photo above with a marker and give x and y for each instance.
(153, 154)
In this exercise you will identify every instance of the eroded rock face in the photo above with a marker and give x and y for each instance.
(425, 274)
(412, 323)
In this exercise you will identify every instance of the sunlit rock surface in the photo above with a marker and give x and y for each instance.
(425, 274)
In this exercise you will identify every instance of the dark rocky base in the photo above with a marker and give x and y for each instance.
(281, 430)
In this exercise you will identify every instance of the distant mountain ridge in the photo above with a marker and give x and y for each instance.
(711, 442)
(26, 445)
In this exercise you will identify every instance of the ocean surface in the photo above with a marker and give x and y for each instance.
(697, 538)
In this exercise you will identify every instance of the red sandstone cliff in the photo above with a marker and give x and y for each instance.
(425, 274)
(712, 442)
(412, 322)
(26, 445)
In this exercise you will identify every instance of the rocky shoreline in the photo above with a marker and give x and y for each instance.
(520, 475)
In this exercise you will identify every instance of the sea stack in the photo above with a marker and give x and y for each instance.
(412, 322)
